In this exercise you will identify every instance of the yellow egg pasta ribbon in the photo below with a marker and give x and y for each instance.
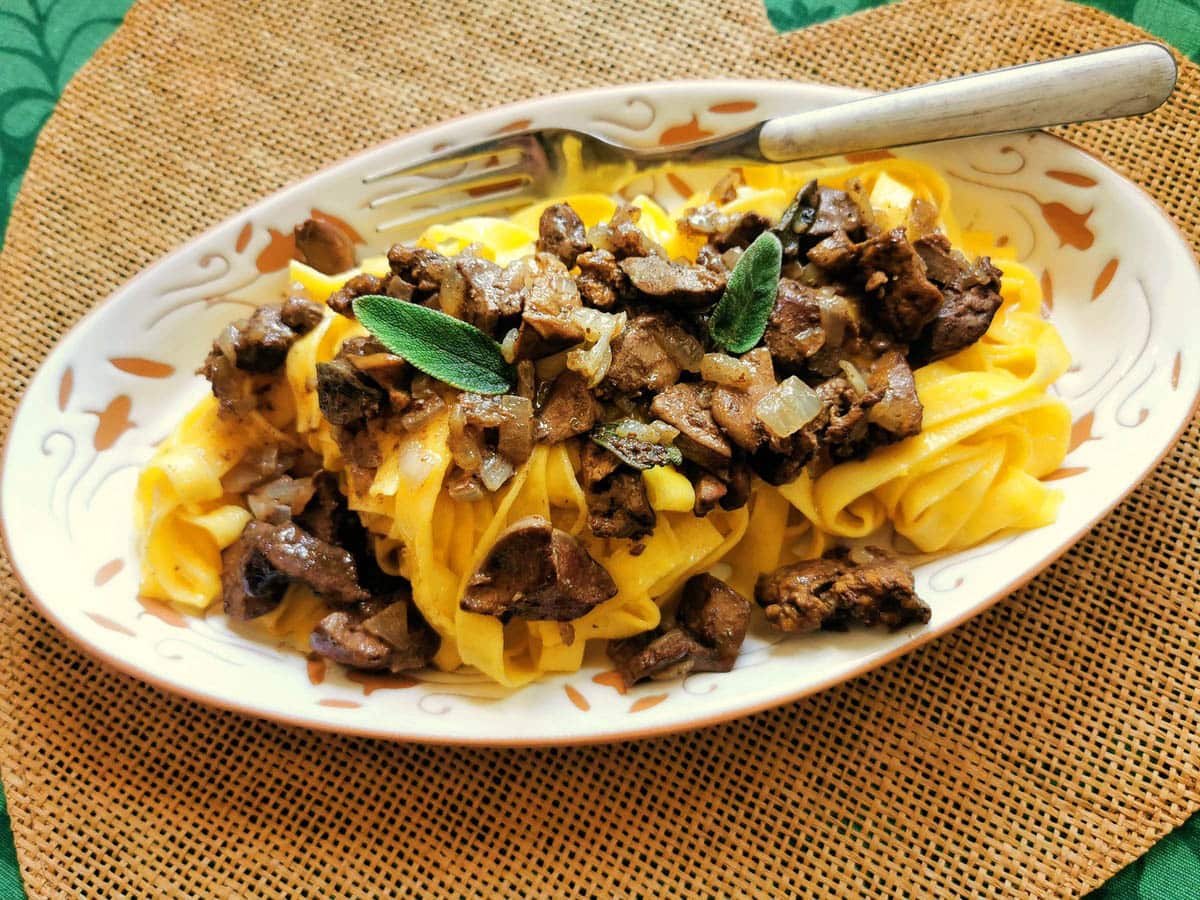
(991, 432)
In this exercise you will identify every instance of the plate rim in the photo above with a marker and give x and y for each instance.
(918, 639)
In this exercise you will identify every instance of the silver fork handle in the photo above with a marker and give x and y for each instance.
(1106, 84)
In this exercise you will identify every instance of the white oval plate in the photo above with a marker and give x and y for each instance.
(1122, 281)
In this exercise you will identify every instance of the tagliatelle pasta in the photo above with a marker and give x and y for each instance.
(991, 431)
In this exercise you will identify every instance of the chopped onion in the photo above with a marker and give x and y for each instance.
(788, 407)
(592, 363)
(811, 275)
(421, 411)
(464, 487)
(725, 190)
(267, 510)
(464, 441)
(706, 220)
(723, 369)
(375, 361)
(722, 570)
(254, 468)
(600, 236)
(731, 256)
(293, 492)
(656, 432)
(414, 462)
(854, 376)
(666, 433)
(861, 556)
(835, 313)
(226, 341)
(597, 324)
(550, 367)
(922, 219)
(453, 291)
(508, 346)
(684, 350)
(495, 471)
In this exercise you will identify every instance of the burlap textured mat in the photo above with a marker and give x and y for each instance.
(1033, 752)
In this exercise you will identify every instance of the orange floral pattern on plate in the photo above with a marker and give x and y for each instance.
(113, 422)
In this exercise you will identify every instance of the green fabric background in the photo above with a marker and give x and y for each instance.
(43, 42)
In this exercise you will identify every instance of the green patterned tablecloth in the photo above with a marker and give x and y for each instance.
(43, 42)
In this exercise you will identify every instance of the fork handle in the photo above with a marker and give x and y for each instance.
(1106, 84)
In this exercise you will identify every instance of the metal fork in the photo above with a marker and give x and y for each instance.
(516, 169)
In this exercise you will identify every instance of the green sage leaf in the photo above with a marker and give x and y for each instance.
(441, 346)
(633, 451)
(740, 316)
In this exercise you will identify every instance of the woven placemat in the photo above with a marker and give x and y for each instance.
(1032, 752)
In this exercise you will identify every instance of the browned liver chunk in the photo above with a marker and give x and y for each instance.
(678, 284)
(384, 633)
(561, 232)
(688, 408)
(866, 586)
(618, 506)
(536, 571)
(640, 361)
(568, 410)
(710, 627)
(257, 567)
(323, 246)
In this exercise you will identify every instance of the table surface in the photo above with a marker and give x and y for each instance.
(43, 43)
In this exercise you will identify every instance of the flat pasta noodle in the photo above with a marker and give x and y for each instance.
(991, 431)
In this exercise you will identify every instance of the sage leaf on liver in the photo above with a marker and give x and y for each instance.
(740, 316)
(441, 346)
(633, 451)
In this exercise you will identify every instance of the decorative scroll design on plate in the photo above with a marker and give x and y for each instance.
(733, 106)
(637, 114)
(1006, 150)
(108, 572)
(112, 422)
(278, 253)
(164, 612)
(946, 578)
(1104, 279)
(243, 238)
(1081, 431)
(103, 480)
(315, 667)
(1070, 227)
(514, 126)
(685, 133)
(165, 649)
(65, 385)
(46, 449)
(699, 683)
(142, 367)
(612, 679)
(646, 703)
(1068, 472)
(1075, 179)
(375, 681)
(110, 624)
(866, 156)
(576, 697)
(337, 703)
